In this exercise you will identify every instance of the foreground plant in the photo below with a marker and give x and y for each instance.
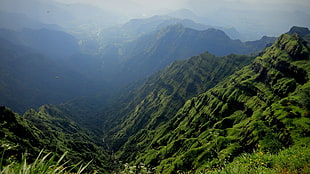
(294, 160)
(43, 165)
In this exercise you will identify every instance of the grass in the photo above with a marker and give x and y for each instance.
(42, 165)
(294, 160)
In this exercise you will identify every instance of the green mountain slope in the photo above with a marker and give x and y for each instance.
(160, 97)
(156, 50)
(48, 129)
(265, 105)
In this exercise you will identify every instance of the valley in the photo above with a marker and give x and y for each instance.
(160, 94)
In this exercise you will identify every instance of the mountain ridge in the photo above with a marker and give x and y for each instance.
(230, 114)
(199, 113)
(163, 93)
(176, 42)
(238, 114)
(44, 130)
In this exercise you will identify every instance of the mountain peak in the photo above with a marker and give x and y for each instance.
(294, 45)
(302, 31)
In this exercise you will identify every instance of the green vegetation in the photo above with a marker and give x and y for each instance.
(160, 97)
(154, 51)
(301, 31)
(37, 130)
(264, 103)
(42, 165)
(206, 114)
(292, 160)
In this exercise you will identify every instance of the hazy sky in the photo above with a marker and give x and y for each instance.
(200, 6)
(261, 17)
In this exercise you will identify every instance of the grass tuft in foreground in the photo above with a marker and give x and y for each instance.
(43, 165)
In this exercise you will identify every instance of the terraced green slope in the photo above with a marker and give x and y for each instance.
(265, 104)
(159, 98)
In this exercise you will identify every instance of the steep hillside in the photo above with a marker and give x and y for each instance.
(158, 99)
(265, 105)
(157, 50)
(52, 131)
(29, 79)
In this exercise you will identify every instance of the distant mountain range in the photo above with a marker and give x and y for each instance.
(18, 21)
(52, 43)
(194, 115)
(171, 93)
(138, 27)
(29, 79)
(156, 50)
(59, 54)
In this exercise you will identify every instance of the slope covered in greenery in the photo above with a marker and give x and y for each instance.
(159, 98)
(50, 130)
(265, 105)
(154, 51)
(45, 66)
(205, 113)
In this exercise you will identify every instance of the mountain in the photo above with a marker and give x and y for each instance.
(158, 98)
(153, 52)
(138, 27)
(55, 44)
(16, 21)
(301, 31)
(29, 79)
(264, 106)
(257, 45)
(49, 130)
(199, 114)
(203, 22)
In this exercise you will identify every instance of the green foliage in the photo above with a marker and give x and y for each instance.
(292, 160)
(264, 103)
(160, 97)
(46, 164)
(204, 114)
(39, 129)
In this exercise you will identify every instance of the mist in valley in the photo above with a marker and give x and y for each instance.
(122, 71)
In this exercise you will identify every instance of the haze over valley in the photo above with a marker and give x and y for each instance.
(177, 86)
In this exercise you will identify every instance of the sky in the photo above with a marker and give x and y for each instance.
(266, 16)
(200, 6)
(260, 17)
